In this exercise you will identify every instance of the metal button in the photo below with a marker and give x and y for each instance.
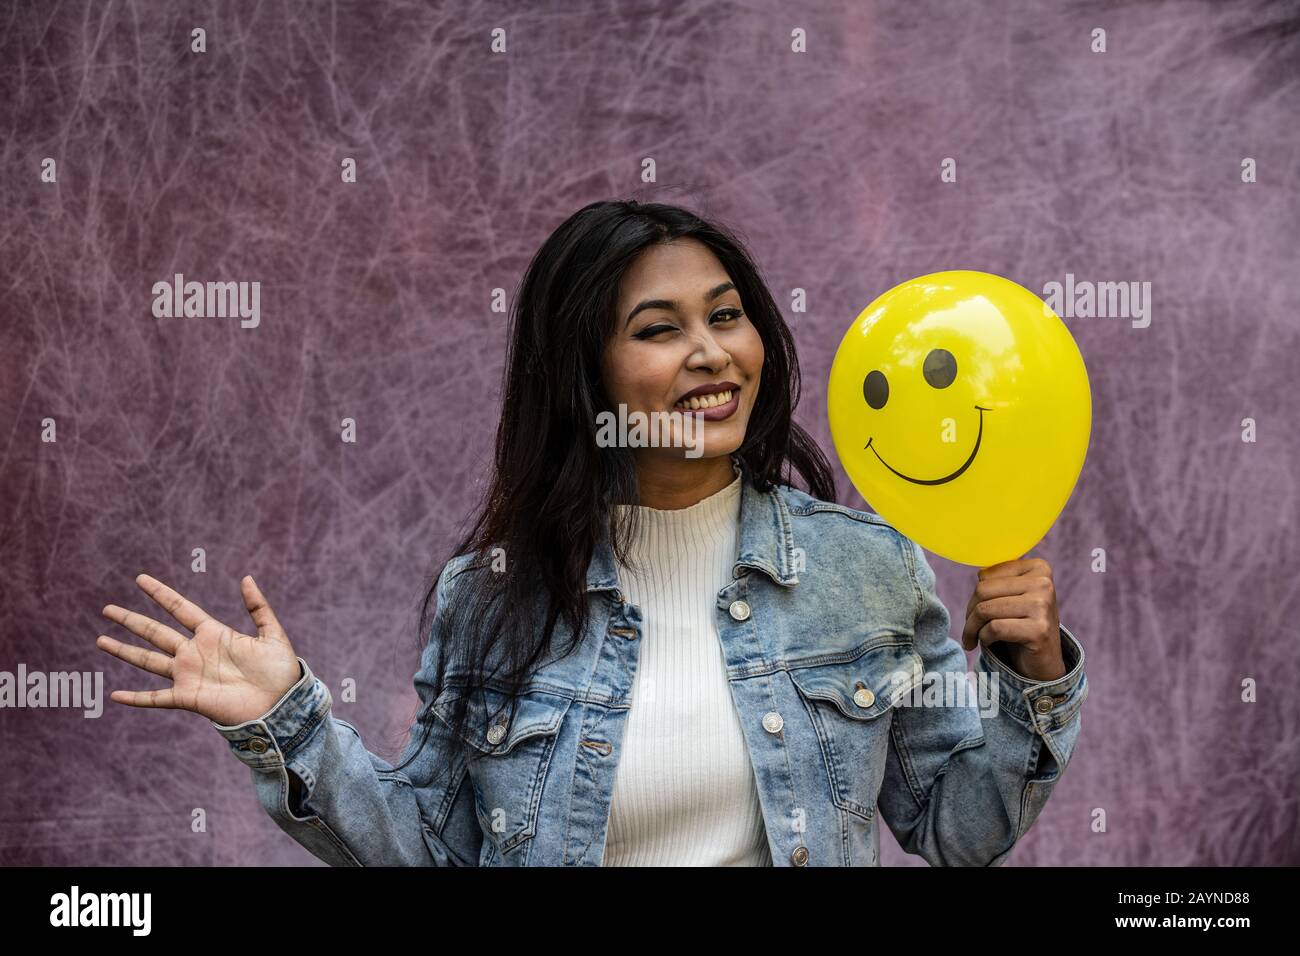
(800, 856)
(739, 610)
(495, 733)
(863, 697)
(1044, 705)
(257, 745)
(772, 722)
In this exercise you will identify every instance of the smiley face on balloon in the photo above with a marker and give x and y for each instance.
(960, 408)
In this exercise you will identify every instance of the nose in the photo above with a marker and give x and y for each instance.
(709, 353)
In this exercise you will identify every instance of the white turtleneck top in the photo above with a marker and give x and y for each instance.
(684, 792)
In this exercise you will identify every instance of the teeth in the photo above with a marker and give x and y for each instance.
(705, 401)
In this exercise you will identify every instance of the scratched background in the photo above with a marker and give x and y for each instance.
(180, 434)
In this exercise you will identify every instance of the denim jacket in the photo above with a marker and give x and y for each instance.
(835, 642)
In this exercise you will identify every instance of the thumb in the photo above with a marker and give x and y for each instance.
(966, 636)
(260, 611)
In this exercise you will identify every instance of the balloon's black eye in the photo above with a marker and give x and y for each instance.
(940, 368)
(875, 389)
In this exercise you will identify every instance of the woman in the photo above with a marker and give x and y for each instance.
(656, 652)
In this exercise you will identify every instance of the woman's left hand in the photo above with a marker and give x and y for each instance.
(1015, 603)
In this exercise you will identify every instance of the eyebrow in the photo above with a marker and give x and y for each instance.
(671, 304)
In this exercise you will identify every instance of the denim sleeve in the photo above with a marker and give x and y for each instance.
(353, 808)
(961, 788)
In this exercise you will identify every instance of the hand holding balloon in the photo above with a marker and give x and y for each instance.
(1015, 602)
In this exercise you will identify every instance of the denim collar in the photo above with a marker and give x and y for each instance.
(766, 541)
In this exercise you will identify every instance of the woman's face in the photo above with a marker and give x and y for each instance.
(681, 325)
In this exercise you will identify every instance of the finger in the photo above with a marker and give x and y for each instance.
(151, 661)
(1005, 569)
(981, 612)
(187, 612)
(145, 698)
(1020, 566)
(259, 609)
(1002, 587)
(1013, 606)
(997, 587)
(159, 635)
(1011, 630)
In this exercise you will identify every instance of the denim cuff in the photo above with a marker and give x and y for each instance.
(1043, 706)
(267, 742)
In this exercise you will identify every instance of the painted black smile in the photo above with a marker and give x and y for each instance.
(946, 478)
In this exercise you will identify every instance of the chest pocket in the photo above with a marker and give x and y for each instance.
(510, 748)
(851, 703)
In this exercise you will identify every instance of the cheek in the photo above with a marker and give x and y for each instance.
(638, 376)
(750, 354)
(616, 373)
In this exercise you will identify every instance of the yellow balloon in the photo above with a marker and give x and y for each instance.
(960, 408)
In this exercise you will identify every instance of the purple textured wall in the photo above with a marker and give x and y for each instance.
(176, 434)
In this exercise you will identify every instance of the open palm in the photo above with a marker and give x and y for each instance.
(220, 673)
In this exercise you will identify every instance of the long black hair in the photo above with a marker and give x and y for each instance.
(552, 487)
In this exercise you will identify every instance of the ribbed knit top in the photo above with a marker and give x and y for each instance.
(684, 792)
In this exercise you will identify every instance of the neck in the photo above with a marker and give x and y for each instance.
(669, 484)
